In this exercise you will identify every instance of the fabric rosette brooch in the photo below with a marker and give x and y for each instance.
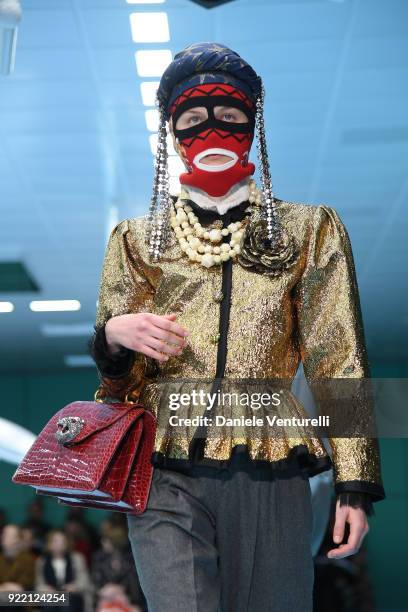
(258, 253)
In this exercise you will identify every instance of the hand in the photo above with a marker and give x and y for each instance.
(357, 519)
(156, 336)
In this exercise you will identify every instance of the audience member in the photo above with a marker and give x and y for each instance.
(62, 569)
(17, 565)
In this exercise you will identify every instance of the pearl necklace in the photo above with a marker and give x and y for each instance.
(201, 245)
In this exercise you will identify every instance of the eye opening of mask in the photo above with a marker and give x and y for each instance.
(208, 111)
(200, 113)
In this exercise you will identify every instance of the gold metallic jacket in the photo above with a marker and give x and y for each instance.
(309, 313)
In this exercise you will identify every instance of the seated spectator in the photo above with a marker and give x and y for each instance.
(17, 566)
(113, 564)
(61, 569)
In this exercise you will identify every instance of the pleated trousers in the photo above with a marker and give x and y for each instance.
(231, 540)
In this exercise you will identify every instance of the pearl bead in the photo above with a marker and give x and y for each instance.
(181, 215)
(208, 248)
(207, 260)
(194, 242)
(224, 231)
(225, 247)
(215, 235)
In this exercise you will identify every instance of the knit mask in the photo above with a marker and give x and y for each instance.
(215, 136)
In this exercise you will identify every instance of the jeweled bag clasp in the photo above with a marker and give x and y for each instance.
(68, 428)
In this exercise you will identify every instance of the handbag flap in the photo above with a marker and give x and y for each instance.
(66, 456)
(95, 416)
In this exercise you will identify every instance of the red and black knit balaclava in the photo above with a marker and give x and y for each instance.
(214, 136)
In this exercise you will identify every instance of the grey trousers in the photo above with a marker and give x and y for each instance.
(236, 540)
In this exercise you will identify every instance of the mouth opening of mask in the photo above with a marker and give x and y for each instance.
(200, 162)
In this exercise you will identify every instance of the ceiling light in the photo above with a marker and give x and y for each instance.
(6, 306)
(152, 63)
(176, 166)
(152, 120)
(148, 91)
(79, 361)
(174, 185)
(149, 27)
(52, 330)
(54, 305)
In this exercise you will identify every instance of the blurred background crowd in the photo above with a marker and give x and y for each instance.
(94, 564)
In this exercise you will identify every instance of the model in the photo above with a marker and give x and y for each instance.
(228, 284)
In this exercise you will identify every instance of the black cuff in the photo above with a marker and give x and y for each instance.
(110, 365)
(376, 491)
(357, 500)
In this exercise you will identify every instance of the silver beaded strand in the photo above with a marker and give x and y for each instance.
(158, 220)
(268, 208)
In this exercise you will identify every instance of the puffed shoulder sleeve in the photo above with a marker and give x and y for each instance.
(123, 289)
(332, 344)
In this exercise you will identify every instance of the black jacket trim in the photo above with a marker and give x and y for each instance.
(110, 365)
(376, 491)
(357, 500)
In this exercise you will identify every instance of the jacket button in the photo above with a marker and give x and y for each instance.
(214, 338)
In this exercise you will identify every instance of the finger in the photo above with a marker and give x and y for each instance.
(166, 336)
(171, 326)
(161, 346)
(339, 525)
(344, 550)
(357, 529)
(357, 532)
(147, 350)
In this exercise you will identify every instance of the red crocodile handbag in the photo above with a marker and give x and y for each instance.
(94, 454)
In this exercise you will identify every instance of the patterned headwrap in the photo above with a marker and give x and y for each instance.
(205, 62)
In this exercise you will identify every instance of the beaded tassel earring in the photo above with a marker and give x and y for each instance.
(158, 220)
(268, 208)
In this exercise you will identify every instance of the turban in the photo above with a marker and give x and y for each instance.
(206, 63)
